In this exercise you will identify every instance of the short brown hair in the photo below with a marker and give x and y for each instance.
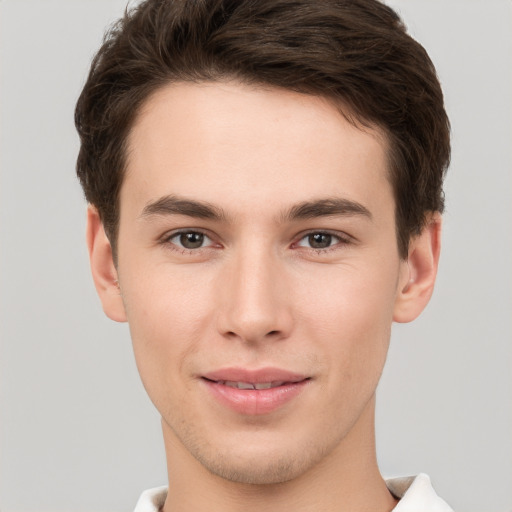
(355, 52)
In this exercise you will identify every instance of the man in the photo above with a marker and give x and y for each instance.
(265, 190)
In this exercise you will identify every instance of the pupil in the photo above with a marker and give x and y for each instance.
(320, 240)
(191, 240)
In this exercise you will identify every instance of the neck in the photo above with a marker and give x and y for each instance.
(345, 480)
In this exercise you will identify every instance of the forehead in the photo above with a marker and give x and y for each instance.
(238, 143)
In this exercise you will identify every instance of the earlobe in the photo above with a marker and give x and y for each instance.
(419, 272)
(103, 270)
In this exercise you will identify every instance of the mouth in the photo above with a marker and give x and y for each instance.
(251, 385)
(258, 392)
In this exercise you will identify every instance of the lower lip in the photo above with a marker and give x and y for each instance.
(254, 402)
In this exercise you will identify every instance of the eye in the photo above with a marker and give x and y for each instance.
(321, 240)
(190, 240)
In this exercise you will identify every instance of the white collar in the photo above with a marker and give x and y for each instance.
(151, 500)
(415, 493)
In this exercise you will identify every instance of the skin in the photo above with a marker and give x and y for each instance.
(255, 293)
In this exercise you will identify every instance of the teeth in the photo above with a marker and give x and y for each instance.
(244, 385)
(250, 385)
(263, 385)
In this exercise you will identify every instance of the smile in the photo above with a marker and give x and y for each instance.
(251, 385)
(254, 392)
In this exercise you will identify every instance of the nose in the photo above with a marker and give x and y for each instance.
(254, 303)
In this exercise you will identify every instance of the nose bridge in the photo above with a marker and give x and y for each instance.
(254, 305)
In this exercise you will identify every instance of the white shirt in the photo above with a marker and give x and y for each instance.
(415, 494)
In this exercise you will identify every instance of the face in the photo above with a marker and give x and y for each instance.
(259, 273)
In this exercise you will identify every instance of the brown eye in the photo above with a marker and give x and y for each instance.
(320, 240)
(191, 240)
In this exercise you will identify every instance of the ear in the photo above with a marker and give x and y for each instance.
(104, 272)
(418, 273)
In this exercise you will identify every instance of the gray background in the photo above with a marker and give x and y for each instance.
(77, 431)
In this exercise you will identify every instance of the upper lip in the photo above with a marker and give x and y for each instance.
(255, 376)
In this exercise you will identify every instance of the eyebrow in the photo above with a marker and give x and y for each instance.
(174, 205)
(328, 207)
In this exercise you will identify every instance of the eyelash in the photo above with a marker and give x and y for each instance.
(342, 240)
(167, 241)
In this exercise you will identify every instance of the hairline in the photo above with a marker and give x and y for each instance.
(379, 132)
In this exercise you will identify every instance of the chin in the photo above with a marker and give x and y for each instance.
(259, 465)
(255, 472)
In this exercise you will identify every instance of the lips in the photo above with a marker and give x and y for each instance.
(254, 392)
(251, 385)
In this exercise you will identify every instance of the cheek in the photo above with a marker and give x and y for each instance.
(349, 317)
(165, 300)
(166, 318)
